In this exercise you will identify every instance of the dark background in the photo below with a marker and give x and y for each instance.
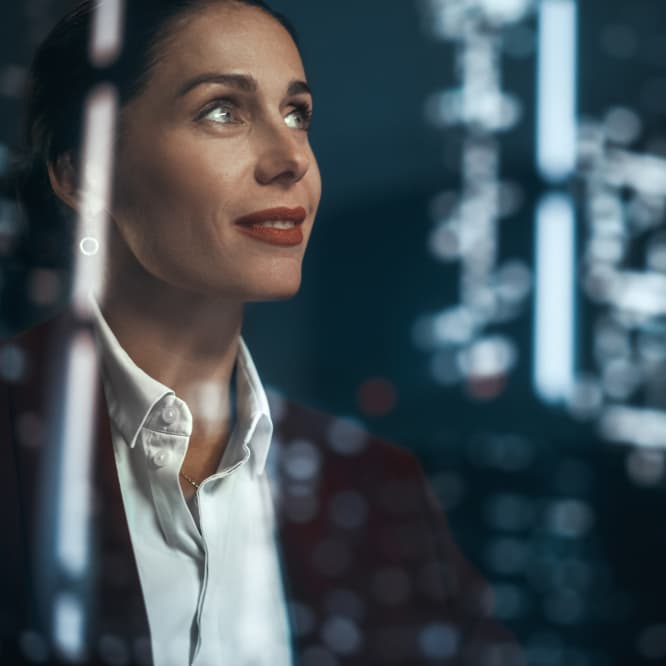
(504, 468)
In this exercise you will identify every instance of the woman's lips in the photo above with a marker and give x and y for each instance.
(257, 225)
(282, 213)
(293, 236)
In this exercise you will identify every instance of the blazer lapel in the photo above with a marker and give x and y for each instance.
(319, 560)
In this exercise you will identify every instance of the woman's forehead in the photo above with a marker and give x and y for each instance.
(230, 37)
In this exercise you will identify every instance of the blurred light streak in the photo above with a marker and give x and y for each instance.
(68, 623)
(554, 298)
(556, 89)
(75, 468)
(75, 439)
(466, 222)
(67, 537)
(635, 425)
(97, 169)
(106, 38)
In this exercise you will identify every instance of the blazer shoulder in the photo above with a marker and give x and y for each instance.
(341, 440)
(26, 356)
(38, 330)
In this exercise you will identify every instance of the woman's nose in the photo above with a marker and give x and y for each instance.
(283, 155)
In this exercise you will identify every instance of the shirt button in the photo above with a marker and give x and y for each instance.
(161, 458)
(169, 415)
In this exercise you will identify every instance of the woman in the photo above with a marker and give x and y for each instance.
(215, 191)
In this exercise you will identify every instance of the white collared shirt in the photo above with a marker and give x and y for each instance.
(210, 573)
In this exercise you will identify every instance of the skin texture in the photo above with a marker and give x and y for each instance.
(179, 272)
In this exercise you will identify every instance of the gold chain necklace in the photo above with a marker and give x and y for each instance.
(190, 480)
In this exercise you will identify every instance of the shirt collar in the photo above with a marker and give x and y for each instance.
(254, 414)
(132, 394)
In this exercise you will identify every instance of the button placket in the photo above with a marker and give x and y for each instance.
(158, 450)
(161, 458)
(163, 454)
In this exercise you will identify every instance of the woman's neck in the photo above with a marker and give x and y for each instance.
(183, 343)
(188, 342)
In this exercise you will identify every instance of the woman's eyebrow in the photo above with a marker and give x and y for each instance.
(241, 82)
(298, 87)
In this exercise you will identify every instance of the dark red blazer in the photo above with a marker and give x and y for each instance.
(394, 573)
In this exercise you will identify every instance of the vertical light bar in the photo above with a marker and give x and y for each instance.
(554, 297)
(68, 627)
(76, 438)
(75, 468)
(556, 89)
(106, 36)
(97, 170)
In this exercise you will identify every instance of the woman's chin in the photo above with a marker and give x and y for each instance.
(278, 288)
(275, 294)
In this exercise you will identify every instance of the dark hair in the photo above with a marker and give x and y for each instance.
(60, 77)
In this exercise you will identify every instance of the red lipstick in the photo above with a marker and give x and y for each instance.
(256, 225)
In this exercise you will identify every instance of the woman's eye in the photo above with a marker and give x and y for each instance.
(299, 118)
(220, 112)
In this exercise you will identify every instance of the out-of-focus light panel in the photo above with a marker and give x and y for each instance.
(97, 169)
(556, 89)
(107, 35)
(69, 628)
(554, 298)
(76, 439)
(75, 473)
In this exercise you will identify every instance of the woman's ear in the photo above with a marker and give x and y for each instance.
(62, 176)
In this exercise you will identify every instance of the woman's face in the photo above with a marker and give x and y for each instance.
(219, 133)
